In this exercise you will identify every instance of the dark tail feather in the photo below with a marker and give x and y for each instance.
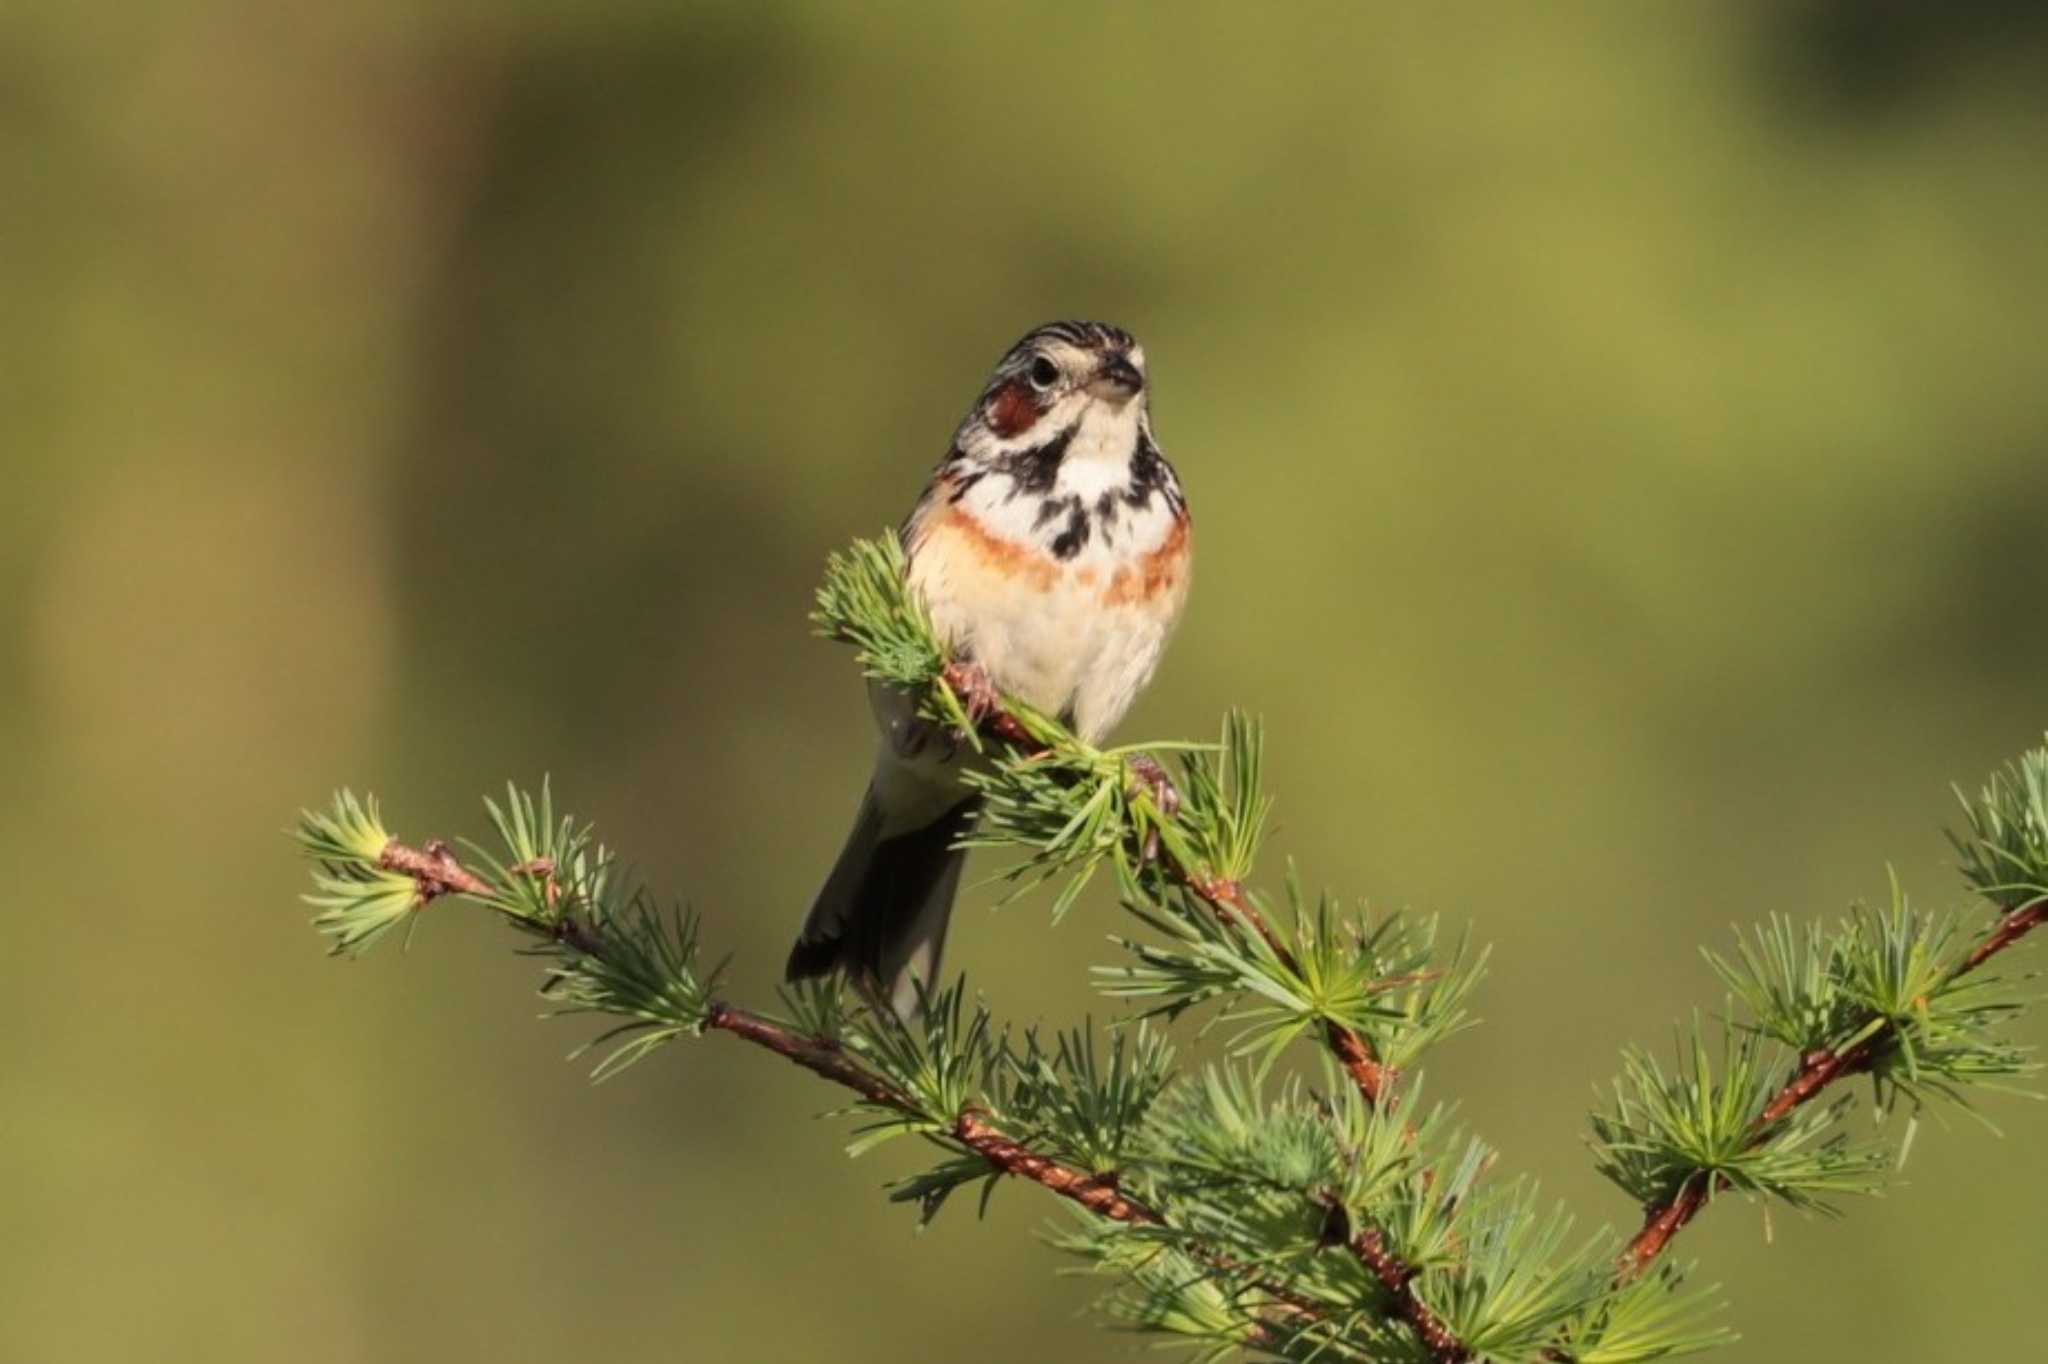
(883, 911)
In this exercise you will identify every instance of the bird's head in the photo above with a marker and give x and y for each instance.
(1079, 383)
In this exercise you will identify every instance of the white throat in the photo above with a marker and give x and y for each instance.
(1098, 458)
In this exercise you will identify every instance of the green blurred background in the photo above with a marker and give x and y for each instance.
(1619, 447)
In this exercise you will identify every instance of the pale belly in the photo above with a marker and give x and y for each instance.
(1059, 636)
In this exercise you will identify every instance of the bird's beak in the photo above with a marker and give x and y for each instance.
(1116, 378)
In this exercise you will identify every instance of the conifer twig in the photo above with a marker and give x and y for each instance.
(1397, 1277)
(1227, 898)
(1098, 1193)
(436, 871)
(820, 1056)
(1328, 1220)
(1375, 1081)
(2011, 929)
(1818, 1069)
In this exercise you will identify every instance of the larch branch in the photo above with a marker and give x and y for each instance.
(1374, 1080)
(1397, 1277)
(819, 1055)
(1819, 1068)
(1226, 897)
(436, 872)
(1098, 1193)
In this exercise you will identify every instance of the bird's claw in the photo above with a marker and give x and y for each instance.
(1165, 798)
(978, 693)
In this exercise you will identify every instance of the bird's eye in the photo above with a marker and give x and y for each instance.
(1044, 373)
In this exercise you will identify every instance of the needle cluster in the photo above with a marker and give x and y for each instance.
(1903, 998)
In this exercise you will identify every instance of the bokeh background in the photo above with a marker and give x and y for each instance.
(1619, 446)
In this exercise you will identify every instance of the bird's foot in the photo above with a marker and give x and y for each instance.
(978, 693)
(1165, 797)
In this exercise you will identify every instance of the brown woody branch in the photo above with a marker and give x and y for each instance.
(2011, 928)
(1662, 1220)
(436, 872)
(1397, 1277)
(1819, 1068)
(1098, 1193)
(820, 1056)
(1374, 1080)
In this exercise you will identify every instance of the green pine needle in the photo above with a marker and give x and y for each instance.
(1087, 1104)
(1696, 1126)
(862, 602)
(2004, 850)
(1519, 1280)
(1653, 1316)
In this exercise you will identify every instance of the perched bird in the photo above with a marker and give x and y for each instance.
(1051, 548)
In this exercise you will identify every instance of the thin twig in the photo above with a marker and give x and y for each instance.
(2010, 929)
(1661, 1221)
(1375, 1081)
(1397, 1277)
(1819, 1068)
(434, 870)
(1226, 897)
(819, 1055)
(1099, 1193)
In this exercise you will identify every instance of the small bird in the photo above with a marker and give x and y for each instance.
(1052, 549)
